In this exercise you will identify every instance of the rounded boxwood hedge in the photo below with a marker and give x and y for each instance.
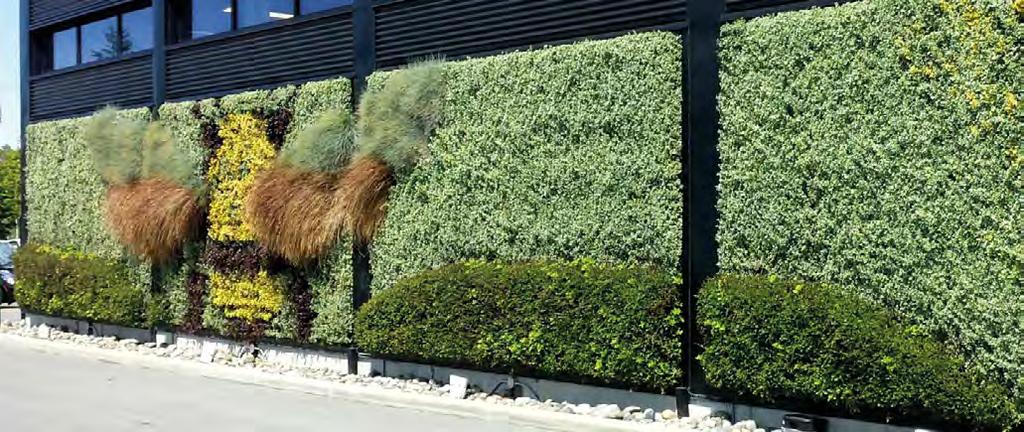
(593, 323)
(776, 340)
(72, 284)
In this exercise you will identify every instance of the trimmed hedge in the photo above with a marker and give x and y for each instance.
(876, 146)
(64, 191)
(595, 323)
(71, 284)
(773, 340)
(561, 153)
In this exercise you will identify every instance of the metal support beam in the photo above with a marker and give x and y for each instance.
(701, 170)
(25, 68)
(159, 55)
(364, 46)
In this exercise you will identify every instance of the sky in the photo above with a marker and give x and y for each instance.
(10, 93)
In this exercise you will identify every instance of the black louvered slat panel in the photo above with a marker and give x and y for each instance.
(44, 13)
(412, 29)
(302, 51)
(736, 9)
(126, 83)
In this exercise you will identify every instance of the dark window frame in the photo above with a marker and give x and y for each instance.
(44, 39)
(180, 17)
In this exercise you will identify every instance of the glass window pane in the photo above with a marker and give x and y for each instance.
(99, 40)
(252, 12)
(137, 30)
(65, 48)
(310, 6)
(210, 17)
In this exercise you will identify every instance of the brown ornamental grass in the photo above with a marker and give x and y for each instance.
(364, 192)
(300, 215)
(296, 214)
(152, 217)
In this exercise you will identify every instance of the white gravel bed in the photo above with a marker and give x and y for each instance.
(664, 420)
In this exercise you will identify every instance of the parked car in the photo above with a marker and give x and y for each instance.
(7, 249)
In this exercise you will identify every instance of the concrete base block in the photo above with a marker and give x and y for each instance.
(772, 418)
(537, 388)
(164, 338)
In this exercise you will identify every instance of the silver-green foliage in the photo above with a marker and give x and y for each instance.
(396, 119)
(331, 282)
(115, 143)
(324, 146)
(65, 191)
(877, 146)
(184, 121)
(314, 99)
(566, 152)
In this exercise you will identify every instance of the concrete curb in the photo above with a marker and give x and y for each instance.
(525, 417)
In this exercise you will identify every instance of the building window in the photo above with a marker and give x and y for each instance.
(137, 31)
(254, 12)
(210, 17)
(65, 48)
(194, 19)
(100, 40)
(310, 6)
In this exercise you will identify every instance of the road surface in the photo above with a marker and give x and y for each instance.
(54, 391)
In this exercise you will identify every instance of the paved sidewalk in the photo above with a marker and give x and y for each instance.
(54, 390)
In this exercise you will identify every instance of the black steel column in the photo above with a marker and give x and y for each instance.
(159, 56)
(701, 171)
(364, 41)
(23, 47)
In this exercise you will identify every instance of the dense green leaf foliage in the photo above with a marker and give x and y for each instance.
(876, 146)
(596, 323)
(774, 340)
(567, 152)
(66, 283)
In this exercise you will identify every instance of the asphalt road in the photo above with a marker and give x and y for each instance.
(54, 391)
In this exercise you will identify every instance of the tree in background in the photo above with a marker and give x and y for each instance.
(10, 203)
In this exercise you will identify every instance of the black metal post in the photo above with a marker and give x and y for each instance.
(701, 171)
(159, 55)
(364, 46)
(24, 47)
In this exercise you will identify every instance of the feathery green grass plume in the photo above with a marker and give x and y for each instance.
(115, 143)
(162, 158)
(396, 120)
(326, 146)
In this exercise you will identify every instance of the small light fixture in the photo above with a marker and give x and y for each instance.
(281, 15)
(227, 9)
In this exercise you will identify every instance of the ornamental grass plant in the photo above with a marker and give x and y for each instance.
(297, 208)
(395, 123)
(152, 202)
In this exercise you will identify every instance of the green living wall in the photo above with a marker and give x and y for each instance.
(876, 146)
(66, 198)
(561, 153)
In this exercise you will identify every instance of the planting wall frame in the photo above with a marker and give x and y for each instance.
(389, 33)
